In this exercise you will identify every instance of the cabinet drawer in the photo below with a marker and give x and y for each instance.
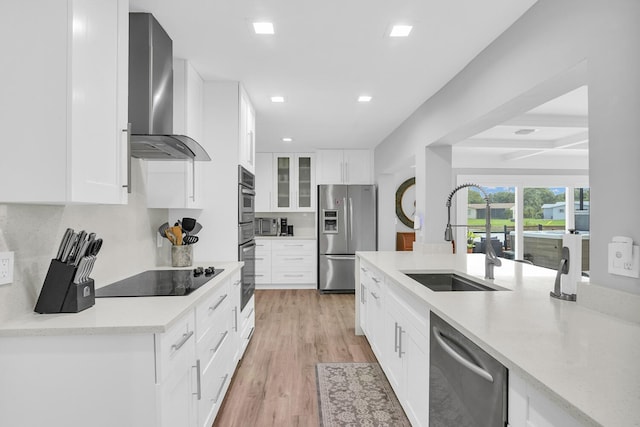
(263, 246)
(174, 348)
(210, 309)
(263, 277)
(263, 261)
(281, 276)
(248, 315)
(215, 379)
(217, 335)
(301, 260)
(294, 246)
(248, 325)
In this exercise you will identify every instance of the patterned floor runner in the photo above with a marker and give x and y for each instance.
(357, 394)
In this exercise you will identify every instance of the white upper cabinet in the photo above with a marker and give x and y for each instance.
(247, 132)
(344, 167)
(294, 184)
(264, 181)
(179, 184)
(64, 101)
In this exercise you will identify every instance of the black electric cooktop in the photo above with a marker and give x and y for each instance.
(158, 283)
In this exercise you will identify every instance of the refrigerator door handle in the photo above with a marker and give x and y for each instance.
(341, 257)
(351, 225)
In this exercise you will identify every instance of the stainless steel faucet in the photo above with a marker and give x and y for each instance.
(490, 259)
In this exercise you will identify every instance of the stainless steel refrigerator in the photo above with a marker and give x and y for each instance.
(347, 222)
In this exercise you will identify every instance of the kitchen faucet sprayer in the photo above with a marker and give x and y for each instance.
(491, 259)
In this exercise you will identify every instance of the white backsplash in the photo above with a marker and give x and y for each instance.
(33, 232)
(304, 223)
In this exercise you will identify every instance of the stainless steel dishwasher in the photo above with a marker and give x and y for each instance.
(467, 387)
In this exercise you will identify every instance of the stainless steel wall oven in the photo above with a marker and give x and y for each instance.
(246, 239)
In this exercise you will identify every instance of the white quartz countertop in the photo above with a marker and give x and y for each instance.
(121, 315)
(586, 361)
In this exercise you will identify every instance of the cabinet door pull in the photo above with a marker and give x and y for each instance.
(198, 381)
(128, 184)
(235, 319)
(249, 314)
(362, 294)
(217, 347)
(193, 180)
(400, 332)
(395, 338)
(375, 279)
(251, 333)
(184, 339)
(294, 259)
(224, 381)
(217, 304)
(373, 294)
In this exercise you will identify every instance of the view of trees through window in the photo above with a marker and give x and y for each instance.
(543, 218)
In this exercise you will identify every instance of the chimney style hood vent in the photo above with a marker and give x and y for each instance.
(151, 95)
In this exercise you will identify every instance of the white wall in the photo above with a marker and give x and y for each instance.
(556, 46)
(219, 217)
(34, 232)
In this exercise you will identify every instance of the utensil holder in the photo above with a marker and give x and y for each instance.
(60, 294)
(181, 255)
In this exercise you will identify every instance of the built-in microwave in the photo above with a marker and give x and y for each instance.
(266, 226)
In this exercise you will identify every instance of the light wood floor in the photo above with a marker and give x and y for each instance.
(275, 384)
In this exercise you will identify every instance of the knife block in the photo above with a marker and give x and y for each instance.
(60, 295)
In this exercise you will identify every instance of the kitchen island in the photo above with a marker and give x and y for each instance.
(143, 361)
(581, 361)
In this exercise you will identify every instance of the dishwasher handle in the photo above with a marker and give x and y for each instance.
(478, 370)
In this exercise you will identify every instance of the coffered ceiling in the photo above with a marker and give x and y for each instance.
(553, 135)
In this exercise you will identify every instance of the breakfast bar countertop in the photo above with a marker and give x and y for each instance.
(585, 360)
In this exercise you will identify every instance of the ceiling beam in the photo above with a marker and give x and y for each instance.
(548, 120)
(573, 142)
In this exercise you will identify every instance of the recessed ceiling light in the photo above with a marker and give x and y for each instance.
(287, 139)
(525, 131)
(364, 98)
(277, 99)
(263, 28)
(400, 30)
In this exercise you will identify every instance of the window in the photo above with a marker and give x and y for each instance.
(502, 200)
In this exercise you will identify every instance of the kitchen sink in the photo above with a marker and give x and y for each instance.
(448, 282)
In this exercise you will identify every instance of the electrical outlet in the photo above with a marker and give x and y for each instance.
(6, 268)
(624, 267)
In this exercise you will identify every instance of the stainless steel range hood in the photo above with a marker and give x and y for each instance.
(151, 95)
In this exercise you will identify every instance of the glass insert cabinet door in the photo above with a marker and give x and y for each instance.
(295, 181)
(304, 182)
(284, 174)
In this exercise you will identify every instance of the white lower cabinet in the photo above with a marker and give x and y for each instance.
(215, 351)
(247, 325)
(286, 263)
(529, 407)
(406, 353)
(263, 262)
(374, 298)
(175, 361)
(175, 378)
(397, 328)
